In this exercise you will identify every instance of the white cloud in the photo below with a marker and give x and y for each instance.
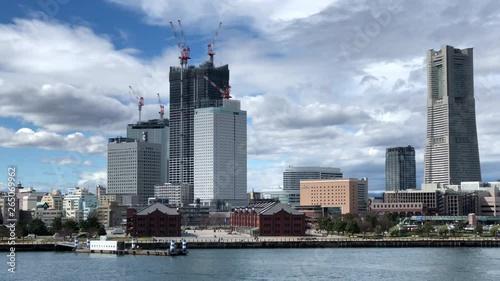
(309, 102)
(91, 179)
(77, 142)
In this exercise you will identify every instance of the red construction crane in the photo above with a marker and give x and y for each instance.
(182, 45)
(212, 44)
(140, 101)
(225, 92)
(162, 108)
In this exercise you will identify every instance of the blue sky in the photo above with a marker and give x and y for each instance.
(65, 72)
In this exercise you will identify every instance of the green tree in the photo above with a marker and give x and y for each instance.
(340, 226)
(56, 225)
(352, 227)
(330, 228)
(364, 227)
(394, 231)
(70, 226)
(494, 230)
(385, 223)
(443, 230)
(4, 231)
(21, 229)
(428, 227)
(37, 227)
(348, 217)
(323, 224)
(101, 231)
(371, 219)
(479, 229)
(461, 226)
(378, 230)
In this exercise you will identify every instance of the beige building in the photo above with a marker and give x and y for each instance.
(338, 193)
(54, 199)
(112, 214)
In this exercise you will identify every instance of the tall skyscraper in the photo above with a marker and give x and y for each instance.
(133, 167)
(400, 168)
(451, 152)
(293, 175)
(189, 91)
(220, 153)
(157, 132)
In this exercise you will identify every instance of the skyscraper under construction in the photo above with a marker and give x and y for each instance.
(189, 90)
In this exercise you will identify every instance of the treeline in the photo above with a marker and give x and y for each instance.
(38, 227)
(353, 224)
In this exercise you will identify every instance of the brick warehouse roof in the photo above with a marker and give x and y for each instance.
(270, 207)
(160, 207)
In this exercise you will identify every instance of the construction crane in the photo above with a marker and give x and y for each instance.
(182, 45)
(211, 45)
(162, 108)
(140, 101)
(224, 92)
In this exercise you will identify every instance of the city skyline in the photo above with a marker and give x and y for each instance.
(312, 100)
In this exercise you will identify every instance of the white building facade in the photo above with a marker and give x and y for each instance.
(220, 153)
(79, 203)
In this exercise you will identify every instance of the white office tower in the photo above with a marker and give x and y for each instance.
(220, 154)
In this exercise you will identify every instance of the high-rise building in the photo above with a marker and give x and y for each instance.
(400, 168)
(133, 167)
(220, 153)
(451, 153)
(293, 175)
(157, 131)
(189, 90)
(362, 195)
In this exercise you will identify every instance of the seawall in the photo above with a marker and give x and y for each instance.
(285, 243)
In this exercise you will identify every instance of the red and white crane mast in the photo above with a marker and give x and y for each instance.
(140, 101)
(211, 45)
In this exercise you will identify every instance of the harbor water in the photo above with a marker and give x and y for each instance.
(265, 264)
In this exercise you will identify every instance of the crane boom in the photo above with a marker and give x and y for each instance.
(211, 45)
(184, 45)
(225, 93)
(162, 108)
(175, 35)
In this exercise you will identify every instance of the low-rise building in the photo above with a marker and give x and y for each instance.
(79, 203)
(155, 220)
(268, 218)
(112, 215)
(337, 193)
(404, 209)
(290, 197)
(54, 199)
(178, 195)
(45, 213)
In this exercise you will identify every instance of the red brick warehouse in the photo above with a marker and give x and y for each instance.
(155, 220)
(269, 219)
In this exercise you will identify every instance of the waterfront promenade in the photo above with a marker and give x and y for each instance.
(275, 242)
